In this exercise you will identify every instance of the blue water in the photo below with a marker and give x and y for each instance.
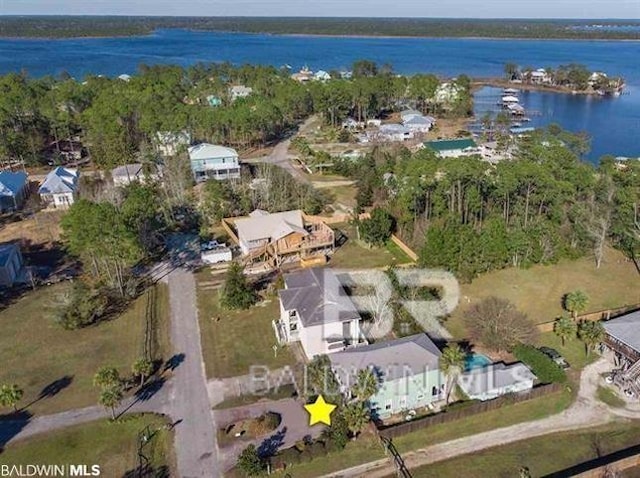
(474, 360)
(614, 123)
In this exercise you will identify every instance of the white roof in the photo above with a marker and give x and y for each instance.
(127, 170)
(494, 377)
(510, 99)
(626, 329)
(60, 180)
(262, 225)
(418, 120)
(393, 128)
(208, 151)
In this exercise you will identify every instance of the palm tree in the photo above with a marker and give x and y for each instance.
(106, 377)
(452, 364)
(565, 328)
(357, 416)
(10, 395)
(110, 398)
(591, 333)
(366, 385)
(576, 302)
(142, 368)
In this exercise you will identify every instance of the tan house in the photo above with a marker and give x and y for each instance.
(281, 237)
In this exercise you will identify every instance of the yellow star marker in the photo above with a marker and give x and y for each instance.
(320, 411)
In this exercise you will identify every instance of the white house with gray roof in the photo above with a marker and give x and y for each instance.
(492, 381)
(211, 161)
(316, 311)
(407, 369)
(60, 187)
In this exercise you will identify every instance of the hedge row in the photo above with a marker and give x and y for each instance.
(540, 364)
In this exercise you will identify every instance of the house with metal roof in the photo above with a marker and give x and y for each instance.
(240, 91)
(129, 173)
(282, 237)
(14, 187)
(418, 124)
(623, 335)
(450, 148)
(60, 187)
(492, 381)
(210, 161)
(11, 264)
(316, 311)
(407, 369)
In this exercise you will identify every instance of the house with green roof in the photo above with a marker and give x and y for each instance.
(451, 148)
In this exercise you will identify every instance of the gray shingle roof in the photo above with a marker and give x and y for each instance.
(392, 359)
(318, 297)
(626, 329)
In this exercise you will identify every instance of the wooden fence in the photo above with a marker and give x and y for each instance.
(594, 316)
(400, 429)
(406, 249)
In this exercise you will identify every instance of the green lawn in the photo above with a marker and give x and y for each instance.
(608, 396)
(573, 351)
(538, 291)
(364, 449)
(543, 455)
(508, 415)
(240, 338)
(353, 254)
(41, 357)
(111, 445)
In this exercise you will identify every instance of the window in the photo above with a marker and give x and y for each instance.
(434, 391)
(420, 396)
(388, 404)
(402, 402)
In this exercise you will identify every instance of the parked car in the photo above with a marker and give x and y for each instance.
(554, 355)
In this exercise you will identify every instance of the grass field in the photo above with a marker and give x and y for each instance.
(543, 455)
(508, 415)
(240, 338)
(538, 291)
(112, 446)
(55, 367)
(365, 448)
(353, 254)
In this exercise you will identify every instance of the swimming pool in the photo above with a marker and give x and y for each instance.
(473, 361)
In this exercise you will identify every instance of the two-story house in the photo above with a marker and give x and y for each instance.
(210, 161)
(316, 311)
(407, 370)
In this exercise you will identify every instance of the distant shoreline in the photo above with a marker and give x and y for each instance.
(313, 35)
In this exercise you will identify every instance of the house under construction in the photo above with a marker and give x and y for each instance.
(281, 238)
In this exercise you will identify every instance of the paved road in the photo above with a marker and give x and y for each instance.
(280, 156)
(13, 430)
(587, 411)
(195, 437)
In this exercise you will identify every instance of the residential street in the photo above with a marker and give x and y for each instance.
(195, 437)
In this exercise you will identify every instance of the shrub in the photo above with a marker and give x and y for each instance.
(542, 366)
(265, 423)
(83, 306)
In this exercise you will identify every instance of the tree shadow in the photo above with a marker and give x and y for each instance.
(52, 389)
(148, 471)
(270, 446)
(11, 424)
(174, 362)
(150, 389)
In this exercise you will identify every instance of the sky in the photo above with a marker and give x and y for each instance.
(629, 9)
